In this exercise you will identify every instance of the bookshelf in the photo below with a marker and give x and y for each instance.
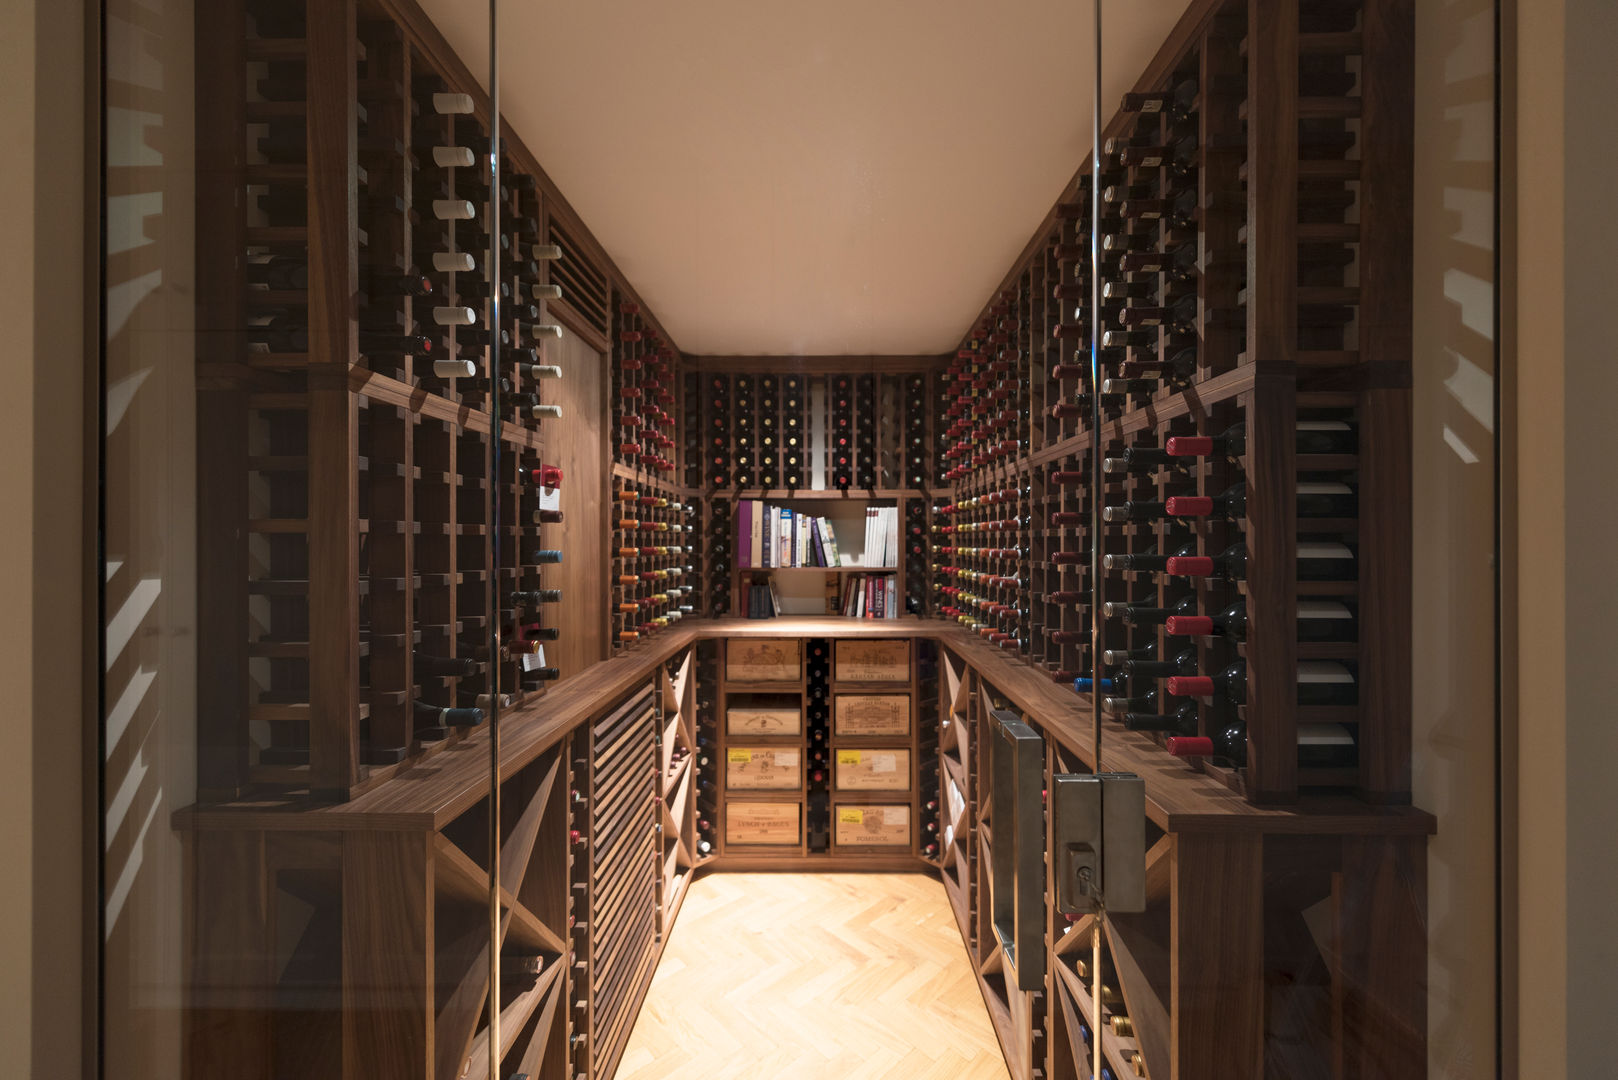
(808, 590)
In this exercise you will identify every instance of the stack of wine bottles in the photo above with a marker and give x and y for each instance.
(1250, 452)
(777, 432)
(653, 577)
(643, 387)
(927, 795)
(705, 774)
(982, 545)
(720, 556)
(817, 731)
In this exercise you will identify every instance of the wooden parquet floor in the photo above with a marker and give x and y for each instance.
(814, 977)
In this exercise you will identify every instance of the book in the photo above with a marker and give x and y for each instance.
(783, 535)
(755, 522)
(806, 553)
(829, 536)
(744, 532)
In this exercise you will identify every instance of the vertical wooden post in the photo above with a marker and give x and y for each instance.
(333, 419)
(1386, 288)
(387, 955)
(1383, 958)
(1217, 948)
(1271, 407)
(222, 428)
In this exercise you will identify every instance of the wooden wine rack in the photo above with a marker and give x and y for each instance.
(889, 443)
(351, 494)
(352, 500)
(1292, 249)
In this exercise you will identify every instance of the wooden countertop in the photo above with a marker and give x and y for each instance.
(427, 796)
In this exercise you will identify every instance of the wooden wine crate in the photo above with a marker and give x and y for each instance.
(764, 720)
(864, 825)
(764, 660)
(763, 768)
(871, 715)
(775, 823)
(873, 661)
(886, 769)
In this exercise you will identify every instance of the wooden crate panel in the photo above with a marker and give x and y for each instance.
(762, 823)
(764, 660)
(862, 825)
(763, 720)
(882, 769)
(868, 715)
(763, 768)
(873, 661)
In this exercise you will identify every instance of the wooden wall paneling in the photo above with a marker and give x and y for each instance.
(1221, 211)
(333, 418)
(1272, 335)
(228, 1015)
(575, 444)
(1385, 276)
(1381, 937)
(1217, 942)
(222, 428)
(387, 956)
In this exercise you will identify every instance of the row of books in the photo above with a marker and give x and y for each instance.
(871, 596)
(860, 596)
(778, 536)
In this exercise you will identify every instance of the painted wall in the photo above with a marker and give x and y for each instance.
(1452, 607)
(1567, 582)
(41, 543)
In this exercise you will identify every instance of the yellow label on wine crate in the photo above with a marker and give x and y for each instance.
(764, 768)
(873, 826)
(848, 757)
(874, 770)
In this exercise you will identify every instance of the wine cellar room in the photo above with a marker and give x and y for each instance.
(1047, 541)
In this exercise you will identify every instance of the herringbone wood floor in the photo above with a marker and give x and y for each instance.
(814, 977)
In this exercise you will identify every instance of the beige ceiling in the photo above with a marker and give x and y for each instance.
(841, 176)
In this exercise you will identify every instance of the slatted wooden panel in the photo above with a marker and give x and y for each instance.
(623, 853)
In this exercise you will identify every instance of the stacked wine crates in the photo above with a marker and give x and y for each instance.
(1255, 357)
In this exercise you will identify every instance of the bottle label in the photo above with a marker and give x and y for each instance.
(534, 660)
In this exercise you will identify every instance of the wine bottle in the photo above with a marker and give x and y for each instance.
(1318, 621)
(1228, 743)
(1182, 721)
(1313, 437)
(1316, 499)
(448, 667)
(437, 716)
